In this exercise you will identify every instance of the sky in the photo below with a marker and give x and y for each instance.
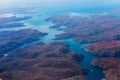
(66, 5)
(59, 2)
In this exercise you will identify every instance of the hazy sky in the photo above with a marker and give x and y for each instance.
(64, 5)
(59, 2)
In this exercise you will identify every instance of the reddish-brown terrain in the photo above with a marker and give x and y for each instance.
(88, 29)
(106, 48)
(111, 67)
(40, 61)
(103, 31)
(54, 61)
(10, 40)
(77, 78)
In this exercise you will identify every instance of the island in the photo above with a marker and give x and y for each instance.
(111, 67)
(40, 61)
(95, 28)
(11, 22)
(10, 40)
(106, 48)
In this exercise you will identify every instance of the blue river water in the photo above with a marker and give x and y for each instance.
(39, 23)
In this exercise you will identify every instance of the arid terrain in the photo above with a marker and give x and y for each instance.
(106, 48)
(40, 61)
(88, 29)
(10, 40)
(111, 67)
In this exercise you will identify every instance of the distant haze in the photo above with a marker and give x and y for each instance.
(60, 2)
(63, 4)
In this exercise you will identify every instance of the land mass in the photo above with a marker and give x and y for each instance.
(111, 67)
(87, 29)
(11, 22)
(106, 48)
(102, 31)
(40, 61)
(10, 40)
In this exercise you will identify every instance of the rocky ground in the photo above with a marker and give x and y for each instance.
(40, 61)
(11, 22)
(102, 30)
(106, 48)
(87, 29)
(103, 34)
(10, 40)
(111, 67)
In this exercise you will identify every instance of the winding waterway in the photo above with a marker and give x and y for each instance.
(39, 23)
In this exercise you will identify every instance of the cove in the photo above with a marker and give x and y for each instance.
(39, 23)
(94, 72)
